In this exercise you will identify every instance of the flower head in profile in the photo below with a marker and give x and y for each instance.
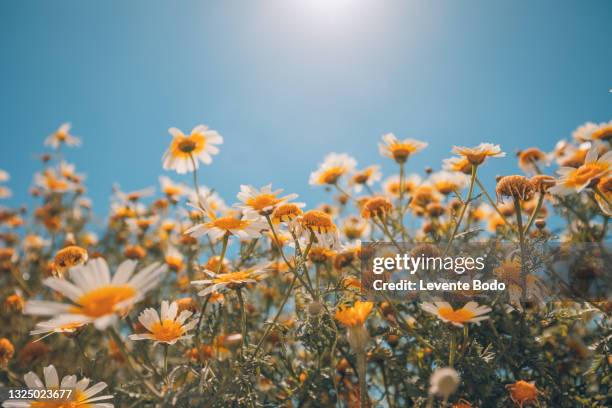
(7, 350)
(333, 167)
(186, 151)
(593, 132)
(61, 324)
(376, 207)
(574, 180)
(516, 186)
(50, 181)
(366, 177)
(174, 191)
(399, 150)
(532, 159)
(605, 189)
(354, 318)
(96, 297)
(477, 155)
(69, 257)
(245, 227)
(174, 259)
(355, 315)
(447, 182)
(391, 185)
(166, 327)
(523, 392)
(322, 226)
(83, 395)
(62, 136)
(287, 213)
(470, 313)
(230, 280)
(261, 201)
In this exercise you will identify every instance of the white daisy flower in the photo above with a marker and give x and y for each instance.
(96, 297)
(167, 327)
(246, 227)
(470, 313)
(230, 280)
(262, 201)
(83, 395)
(333, 167)
(62, 136)
(185, 152)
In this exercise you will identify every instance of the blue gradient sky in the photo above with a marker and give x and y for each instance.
(287, 81)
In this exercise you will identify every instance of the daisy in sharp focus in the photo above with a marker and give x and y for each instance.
(399, 150)
(245, 227)
(167, 327)
(470, 313)
(574, 180)
(83, 395)
(62, 136)
(96, 297)
(477, 155)
(262, 201)
(230, 280)
(186, 151)
(333, 167)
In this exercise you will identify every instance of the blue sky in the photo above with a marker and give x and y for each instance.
(287, 81)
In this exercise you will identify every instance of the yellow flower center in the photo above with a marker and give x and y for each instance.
(167, 330)
(183, 146)
(73, 402)
(401, 151)
(103, 300)
(456, 316)
(232, 277)
(603, 133)
(331, 175)
(587, 173)
(229, 223)
(262, 201)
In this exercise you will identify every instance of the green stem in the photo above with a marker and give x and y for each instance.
(493, 204)
(463, 209)
(535, 212)
(519, 223)
(243, 325)
(196, 185)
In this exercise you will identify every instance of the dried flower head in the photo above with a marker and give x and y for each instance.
(523, 392)
(376, 207)
(516, 187)
(69, 257)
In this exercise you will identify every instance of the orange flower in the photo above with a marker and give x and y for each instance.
(523, 392)
(376, 207)
(356, 315)
(470, 313)
(574, 180)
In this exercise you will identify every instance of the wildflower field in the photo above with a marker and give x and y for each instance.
(186, 298)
